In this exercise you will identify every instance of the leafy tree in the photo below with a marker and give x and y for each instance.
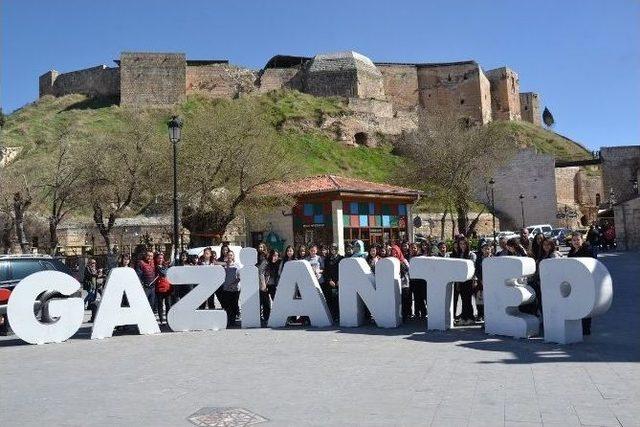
(452, 156)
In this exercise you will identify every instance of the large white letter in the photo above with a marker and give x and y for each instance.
(503, 294)
(70, 311)
(380, 293)
(572, 288)
(311, 302)
(440, 273)
(123, 281)
(184, 315)
(249, 289)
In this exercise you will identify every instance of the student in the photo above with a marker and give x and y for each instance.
(418, 288)
(146, 270)
(466, 288)
(301, 252)
(580, 248)
(331, 280)
(272, 273)
(373, 258)
(265, 301)
(502, 243)
(162, 288)
(483, 253)
(442, 250)
(404, 282)
(231, 289)
(288, 255)
(358, 249)
(208, 257)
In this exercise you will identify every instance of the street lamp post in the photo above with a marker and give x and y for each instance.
(175, 130)
(521, 197)
(493, 214)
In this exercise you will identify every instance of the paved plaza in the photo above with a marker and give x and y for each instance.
(363, 376)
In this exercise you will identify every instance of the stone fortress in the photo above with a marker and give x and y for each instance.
(383, 96)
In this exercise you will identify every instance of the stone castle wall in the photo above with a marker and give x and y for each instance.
(566, 185)
(505, 94)
(620, 166)
(152, 78)
(530, 108)
(220, 80)
(531, 174)
(400, 85)
(278, 78)
(100, 81)
(460, 89)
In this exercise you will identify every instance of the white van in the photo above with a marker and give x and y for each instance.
(540, 228)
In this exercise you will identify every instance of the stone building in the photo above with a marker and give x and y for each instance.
(333, 209)
(531, 174)
(620, 168)
(458, 88)
(505, 94)
(627, 223)
(530, 108)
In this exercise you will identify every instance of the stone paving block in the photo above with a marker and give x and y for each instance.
(522, 411)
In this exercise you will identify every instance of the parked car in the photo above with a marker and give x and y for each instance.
(14, 268)
(541, 228)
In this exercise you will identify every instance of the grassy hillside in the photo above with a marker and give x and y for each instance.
(35, 126)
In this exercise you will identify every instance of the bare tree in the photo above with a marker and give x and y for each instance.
(227, 152)
(21, 202)
(449, 153)
(61, 187)
(117, 171)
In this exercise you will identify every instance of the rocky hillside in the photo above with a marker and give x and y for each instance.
(297, 117)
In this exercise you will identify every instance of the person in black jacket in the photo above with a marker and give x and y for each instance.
(331, 280)
(580, 248)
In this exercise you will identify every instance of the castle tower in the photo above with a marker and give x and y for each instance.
(347, 74)
(46, 81)
(505, 94)
(530, 108)
(458, 88)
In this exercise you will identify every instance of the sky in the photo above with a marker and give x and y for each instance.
(582, 57)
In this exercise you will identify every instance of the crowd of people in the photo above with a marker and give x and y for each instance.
(324, 262)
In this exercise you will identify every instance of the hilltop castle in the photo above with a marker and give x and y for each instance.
(383, 95)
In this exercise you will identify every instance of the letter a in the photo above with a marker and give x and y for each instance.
(123, 281)
(311, 302)
(380, 293)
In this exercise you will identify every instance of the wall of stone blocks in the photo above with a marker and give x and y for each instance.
(328, 83)
(459, 89)
(566, 185)
(370, 85)
(588, 187)
(627, 223)
(100, 81)
(620, 166)
(220, 80)
(533, 175)
(505, 94)
(530, 108)
(484, 227)
(279, 78)
(152, 78)
(400, 85)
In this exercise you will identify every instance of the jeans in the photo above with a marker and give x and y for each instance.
(160, 298)
(150, 292)
(419, 292)
(230, 305)
(265, 304)
(466, 294)
(406, 304)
